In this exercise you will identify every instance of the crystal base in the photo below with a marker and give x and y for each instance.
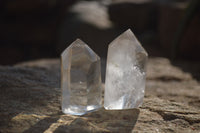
(80, 110)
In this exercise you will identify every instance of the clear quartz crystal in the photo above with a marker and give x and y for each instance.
(80, 79)
(125, 73)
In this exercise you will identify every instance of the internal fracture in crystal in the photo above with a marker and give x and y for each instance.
(80, 79)
(125, 73)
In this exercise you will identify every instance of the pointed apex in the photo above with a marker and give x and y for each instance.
(128, 31)
(79, 47)
(78, 42)
(127, 35)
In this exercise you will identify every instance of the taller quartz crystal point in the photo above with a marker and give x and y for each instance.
(80, 79)
(125, 73)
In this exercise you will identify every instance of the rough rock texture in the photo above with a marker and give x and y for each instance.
(30, 102)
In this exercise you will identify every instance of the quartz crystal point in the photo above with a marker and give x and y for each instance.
(125, 73)
(80, 79)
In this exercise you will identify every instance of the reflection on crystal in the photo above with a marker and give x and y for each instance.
(80, 79)
(125, 73)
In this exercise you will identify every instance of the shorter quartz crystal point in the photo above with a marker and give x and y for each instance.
(80, 79)
(125, 73)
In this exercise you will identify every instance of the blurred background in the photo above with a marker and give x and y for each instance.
(33, 29)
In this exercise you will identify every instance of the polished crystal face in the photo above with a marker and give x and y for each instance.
(125, 73)
(80, 79)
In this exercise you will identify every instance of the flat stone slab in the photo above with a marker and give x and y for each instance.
(30, 102)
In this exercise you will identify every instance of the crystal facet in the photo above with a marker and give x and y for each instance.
(80, 79)
(125, 73)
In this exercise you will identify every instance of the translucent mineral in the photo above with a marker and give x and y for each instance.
(80, 79)
(125, 73)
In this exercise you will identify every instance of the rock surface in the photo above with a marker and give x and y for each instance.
(30, 102)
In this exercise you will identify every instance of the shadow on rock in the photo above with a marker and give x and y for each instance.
(42, 125)
(102, 121)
